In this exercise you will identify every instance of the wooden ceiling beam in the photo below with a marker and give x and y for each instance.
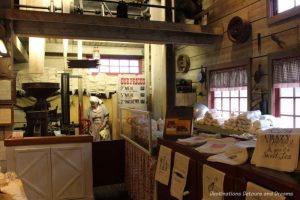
(60, 25)
(20, 53)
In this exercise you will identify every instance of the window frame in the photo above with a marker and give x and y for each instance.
(274, 56)
(274, 98)
(212, 93)
(274, 17)
(277, 105)
(121, 57)
(227, 66)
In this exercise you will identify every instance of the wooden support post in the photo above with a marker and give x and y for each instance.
(170, 76)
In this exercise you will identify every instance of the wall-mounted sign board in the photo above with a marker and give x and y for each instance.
(6, 115)
(7, 90)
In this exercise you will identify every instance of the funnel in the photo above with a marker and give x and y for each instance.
(41, 91)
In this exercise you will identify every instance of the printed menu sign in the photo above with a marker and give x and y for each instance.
(163, 167)
(277, 149)
(132, 91)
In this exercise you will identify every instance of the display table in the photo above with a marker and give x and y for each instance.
(52, 167)
(236, 177)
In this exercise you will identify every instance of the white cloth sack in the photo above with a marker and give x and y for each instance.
(277, 149)
(215, 146)
(234, 155)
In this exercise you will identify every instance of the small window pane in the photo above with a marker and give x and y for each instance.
(286, 106)
(225, 93)
(297, 122)
(243, 105)
(284, 5)
(124, 63)
(297, 90)
(134, 63)
(243, 93)
(286, 92)
(124, 69)
(217, 93)
(297, 106)
(225, 105)
(234, 104)
(297, 2)
(134, 70)
(218, 104)
(226, 115)
(114, 63)
(286, 122)
(104, 62)
(94, 70)
(234, 93)
(104, 69)
(114, 69)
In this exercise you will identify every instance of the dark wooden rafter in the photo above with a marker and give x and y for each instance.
(60, 25)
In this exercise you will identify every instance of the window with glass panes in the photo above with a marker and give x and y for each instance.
(230, 101)
(228, 90)
(286, 89)
(280, 6)
(288, 106)
(118, 66)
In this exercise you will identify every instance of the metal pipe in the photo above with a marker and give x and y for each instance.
(65, 103)
(88, 11)
(34, 7)
(137, 4)
(104, 4)
(111, 13)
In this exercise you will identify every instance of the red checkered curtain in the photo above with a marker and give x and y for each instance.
(286, 72)
(229, 78)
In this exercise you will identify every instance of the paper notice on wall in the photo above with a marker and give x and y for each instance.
(5, 116)
(132, 91)
(163, 167)
(256, 192)
(213, 181)
(277, 149)
(5, 90)
(179, 175)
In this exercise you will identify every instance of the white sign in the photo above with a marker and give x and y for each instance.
(213, 181)
(163, 167)
(132, 91)
(179, 175)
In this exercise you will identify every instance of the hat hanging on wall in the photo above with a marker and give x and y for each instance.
(239, 30)
(183, 63)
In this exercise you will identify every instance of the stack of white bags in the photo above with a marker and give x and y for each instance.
(245, 120)
(213, 118)
(251, 121)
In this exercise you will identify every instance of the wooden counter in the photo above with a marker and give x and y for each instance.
(236, 177)
(57, 167)
(48, 140)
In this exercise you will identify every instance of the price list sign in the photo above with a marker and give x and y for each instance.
(132, 93)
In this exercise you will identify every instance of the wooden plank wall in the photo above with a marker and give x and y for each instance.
(224, 51)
